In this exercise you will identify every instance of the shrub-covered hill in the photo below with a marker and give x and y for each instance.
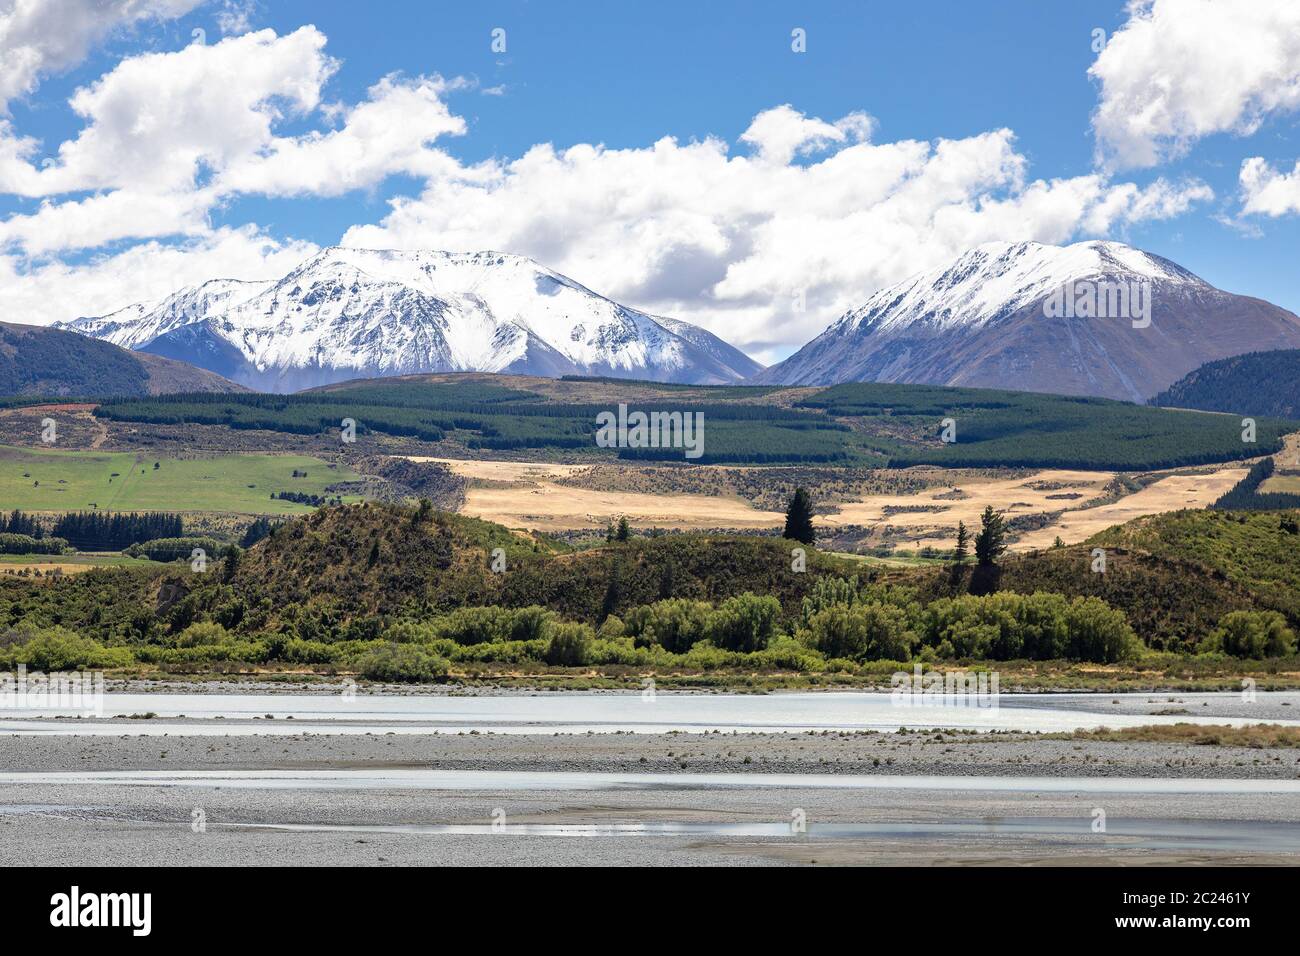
(379, 559)
(370, 562)
(1174, 575)
(114, 605)
(1258, 551)
(1257, 383)
(353, 573)
(590, 584)
(1170, 603)
(374, 559)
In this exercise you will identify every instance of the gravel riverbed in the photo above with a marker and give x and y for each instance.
(271, 794)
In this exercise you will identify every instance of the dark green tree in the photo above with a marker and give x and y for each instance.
(624, 530)
(960, 552)
(991, 542)
(613, 592)
(261, 527)
(231, 566)
(798, 518)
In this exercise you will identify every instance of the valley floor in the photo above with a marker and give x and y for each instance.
(207, 470)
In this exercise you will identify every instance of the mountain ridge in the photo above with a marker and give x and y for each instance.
(353, 313)
(1255, 383)
(39, 360)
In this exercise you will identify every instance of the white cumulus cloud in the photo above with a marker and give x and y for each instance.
(778, 134)
(167, 136)
(1180, 70)
(391, 132)
(157, 120)
(41, 37)
(1268, 192)
(104, 218)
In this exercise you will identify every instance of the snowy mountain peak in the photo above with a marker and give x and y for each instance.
(996, 279)
(347, 313)
(983, 320)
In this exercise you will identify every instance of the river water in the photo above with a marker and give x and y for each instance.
(556, 781)
(548, 713)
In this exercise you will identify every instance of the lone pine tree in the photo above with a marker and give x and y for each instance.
(798, 517)
(962, 549)
(991, 542)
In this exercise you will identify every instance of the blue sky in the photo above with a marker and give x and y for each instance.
(623, 76)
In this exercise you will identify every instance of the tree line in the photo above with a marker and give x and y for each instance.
(97, 531)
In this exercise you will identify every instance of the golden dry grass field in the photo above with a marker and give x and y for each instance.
(526, 495)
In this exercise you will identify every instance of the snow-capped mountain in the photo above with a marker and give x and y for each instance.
(1013, 315)
(353, 313)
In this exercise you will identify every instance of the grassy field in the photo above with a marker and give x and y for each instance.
(69, 563)
(1073, 505)
(893, 561)
(47, 480)
(95, 559)
(1286, 483)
